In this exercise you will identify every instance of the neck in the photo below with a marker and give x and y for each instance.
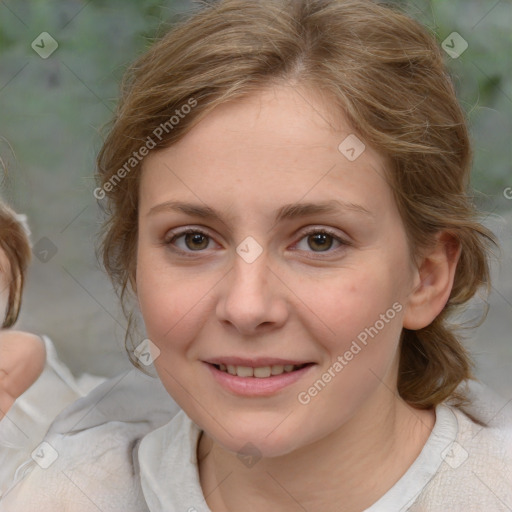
(349, 469)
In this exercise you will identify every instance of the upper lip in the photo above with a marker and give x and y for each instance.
(256, 362)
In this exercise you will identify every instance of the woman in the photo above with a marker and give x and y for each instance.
(286, 192)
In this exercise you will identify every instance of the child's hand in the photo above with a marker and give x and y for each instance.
(22, 360)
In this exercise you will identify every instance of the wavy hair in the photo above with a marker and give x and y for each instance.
(382, 70)
(14, 242)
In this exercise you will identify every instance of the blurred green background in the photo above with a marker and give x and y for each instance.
(51, 111)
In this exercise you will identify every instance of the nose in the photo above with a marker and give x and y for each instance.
(253, 298)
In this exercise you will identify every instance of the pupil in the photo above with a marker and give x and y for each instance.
(321, 240)
(196, 239)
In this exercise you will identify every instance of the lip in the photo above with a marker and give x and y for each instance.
(253, 386)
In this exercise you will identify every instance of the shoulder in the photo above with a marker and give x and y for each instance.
(476, 472)
(93, 471)
(22, 360)
(89, 455)
(486, 440)
(23, 351)
(24, 343)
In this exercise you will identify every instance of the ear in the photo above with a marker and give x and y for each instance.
(434, 282)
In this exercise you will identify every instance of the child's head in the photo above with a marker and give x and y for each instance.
(289, 82)
(14, 259)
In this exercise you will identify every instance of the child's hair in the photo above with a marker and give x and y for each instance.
(14, 242)
(381, 69)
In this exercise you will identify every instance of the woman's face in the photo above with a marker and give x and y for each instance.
(297, 256)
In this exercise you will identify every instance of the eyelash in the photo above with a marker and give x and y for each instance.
(169, 242)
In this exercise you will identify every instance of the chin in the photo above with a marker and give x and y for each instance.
(261, 439)
(255, 446)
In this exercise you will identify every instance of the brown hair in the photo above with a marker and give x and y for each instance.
(379, 67)
(16, 246)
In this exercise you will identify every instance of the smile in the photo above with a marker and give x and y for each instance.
(262, 379)
(261, 372)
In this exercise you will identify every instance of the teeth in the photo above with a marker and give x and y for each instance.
(261, 372)
(244, 371)
(277, 370)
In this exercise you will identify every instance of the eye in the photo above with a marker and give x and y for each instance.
(320, 240)
(317, 240)
(191, 240)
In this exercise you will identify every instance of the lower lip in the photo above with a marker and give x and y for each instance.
(254, 386)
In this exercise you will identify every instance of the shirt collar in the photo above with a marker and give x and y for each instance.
(168, 467)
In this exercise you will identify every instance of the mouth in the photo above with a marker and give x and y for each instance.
(262, 377)
(259, 372)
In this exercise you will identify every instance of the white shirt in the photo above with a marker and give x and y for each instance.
(127, 447)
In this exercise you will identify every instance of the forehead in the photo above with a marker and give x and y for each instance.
(280, 144)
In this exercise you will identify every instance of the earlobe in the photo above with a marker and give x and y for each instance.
(436, 274)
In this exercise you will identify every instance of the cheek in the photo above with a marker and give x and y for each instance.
(363, 311)
(353, 301)
(169, 300)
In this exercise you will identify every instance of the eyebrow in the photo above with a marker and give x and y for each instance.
(286, 212)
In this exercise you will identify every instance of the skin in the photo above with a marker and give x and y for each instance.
(246, 159)
(22, 355)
